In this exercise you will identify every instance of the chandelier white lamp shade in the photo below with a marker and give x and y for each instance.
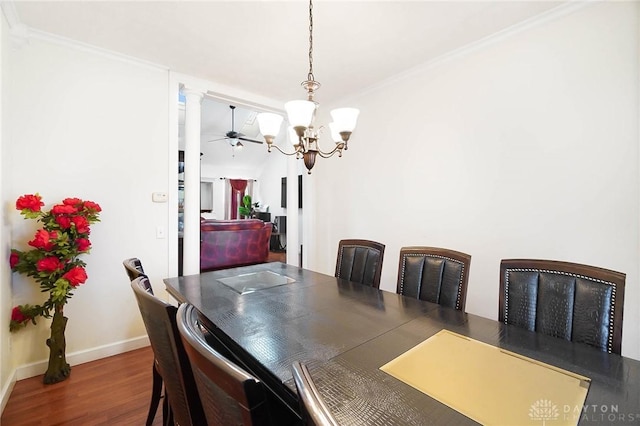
(269, 124)
(301, 115)
(345, 119)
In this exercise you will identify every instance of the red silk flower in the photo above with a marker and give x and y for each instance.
(14, 259)
(90, 205)
(83, 244)
(42, 239)
(63, 221)
(82, 224)
(29, 202)
(49, 264)
(76, 276)
(75, 202)
(18, 316)
(63, 209)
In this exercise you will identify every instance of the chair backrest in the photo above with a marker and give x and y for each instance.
(360, 261)
(314, 411)
(133, 268)
(434, 274)
(575, 302)
(229, 394)
(172, 361)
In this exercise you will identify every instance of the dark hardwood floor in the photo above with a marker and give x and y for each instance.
(277, 257)
(110, 391)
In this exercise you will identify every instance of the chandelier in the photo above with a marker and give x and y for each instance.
(301, 114)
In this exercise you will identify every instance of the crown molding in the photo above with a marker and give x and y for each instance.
(18, 32)
(10, 13)
(551, 15)
(85, 47)
(21, 35)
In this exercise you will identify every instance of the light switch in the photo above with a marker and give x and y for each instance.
(160, 233)
(159, 197)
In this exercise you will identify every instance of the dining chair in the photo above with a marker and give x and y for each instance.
(360, 261)
(229, 394)
(314, 411)
(434, 274)
(173, 365)
(575, 302)
(133, 268)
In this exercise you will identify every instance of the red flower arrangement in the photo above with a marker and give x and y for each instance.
(54, 264)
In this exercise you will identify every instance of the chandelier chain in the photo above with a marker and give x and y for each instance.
(310, 76)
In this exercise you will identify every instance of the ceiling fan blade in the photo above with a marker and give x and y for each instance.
(216, 140)
(251, 140)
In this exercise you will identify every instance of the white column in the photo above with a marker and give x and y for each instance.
(308, 236)
(293, 242)
(191, 241)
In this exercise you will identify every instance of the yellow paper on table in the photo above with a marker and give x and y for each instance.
(490, 385)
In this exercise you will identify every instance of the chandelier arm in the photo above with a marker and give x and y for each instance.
(283, 152)
(337, 149)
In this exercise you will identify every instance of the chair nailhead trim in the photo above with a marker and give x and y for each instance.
(404, 260)
(340, 258)
(611, 306)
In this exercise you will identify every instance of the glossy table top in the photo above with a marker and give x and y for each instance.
(345, 332)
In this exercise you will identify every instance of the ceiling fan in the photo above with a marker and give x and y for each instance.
(234, 137)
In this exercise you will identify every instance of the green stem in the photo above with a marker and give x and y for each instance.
(58, 369)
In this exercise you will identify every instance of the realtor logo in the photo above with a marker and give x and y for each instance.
(543, 410)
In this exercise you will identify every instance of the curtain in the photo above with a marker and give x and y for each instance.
(238, 187)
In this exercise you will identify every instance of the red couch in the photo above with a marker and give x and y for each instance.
(229, 243)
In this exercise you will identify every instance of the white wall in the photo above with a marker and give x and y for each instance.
(94, 126)
(7, 376)
(271, 183)
(524, 147)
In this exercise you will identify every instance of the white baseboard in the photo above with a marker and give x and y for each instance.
(6, 391)
(80, 357)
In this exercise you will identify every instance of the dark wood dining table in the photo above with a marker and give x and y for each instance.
(345, 332)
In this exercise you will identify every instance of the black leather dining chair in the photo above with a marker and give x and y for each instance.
(229, 394)
(133, 268)
(575, 302)
(173, 365)
(360, 261)
(314, 411)
(434, 274)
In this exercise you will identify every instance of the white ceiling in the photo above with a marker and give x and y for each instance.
(262, 46)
